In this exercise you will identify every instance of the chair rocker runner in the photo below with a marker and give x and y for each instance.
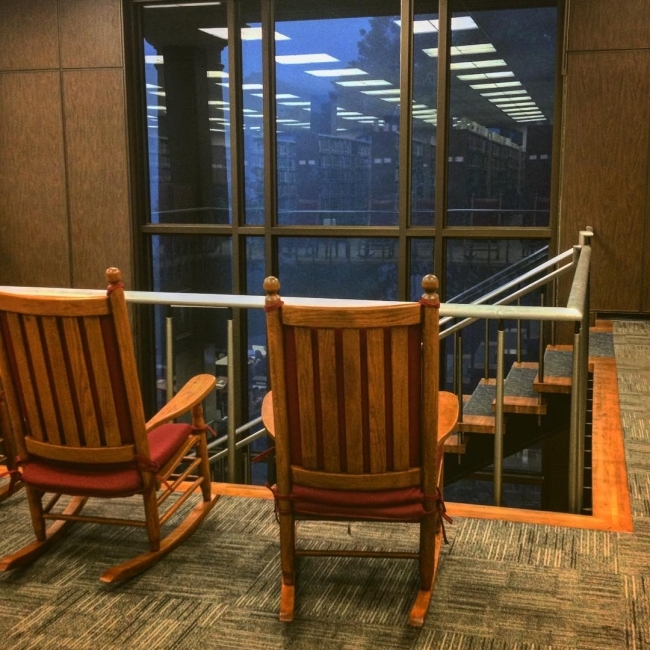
(70, 403)
(359, 424)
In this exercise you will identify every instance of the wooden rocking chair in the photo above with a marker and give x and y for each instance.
(70, 403)
(359, 424)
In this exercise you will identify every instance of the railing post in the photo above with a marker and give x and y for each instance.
(542, 346)
(169, 354)
(519, 334)
(458, 370)
(486, 356)
(574, 431)
(232, 429)
(498, 420)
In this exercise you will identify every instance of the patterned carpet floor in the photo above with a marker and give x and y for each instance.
(500, 585)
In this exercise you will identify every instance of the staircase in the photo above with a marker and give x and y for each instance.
(524, 395)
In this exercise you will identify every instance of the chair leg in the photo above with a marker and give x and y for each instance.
(288, 562)
(204, 468)
(30, 552)
(152, 518)
(429, 554)
(35, 500)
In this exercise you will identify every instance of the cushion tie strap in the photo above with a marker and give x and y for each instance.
(262, 455)
(441, 509)
(148, 465)
(205, 428)
(14, 477)
(277, 498)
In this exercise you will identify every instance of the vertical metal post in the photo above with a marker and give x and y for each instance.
(169, 354)
(232, 433)
(542, 342)
(458, 359)
(519, 337)
(486, 356)
(582, 412)
(498, 420)
(574, 433)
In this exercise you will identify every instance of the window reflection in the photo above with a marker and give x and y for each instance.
(188, 113)
(328, 267)
(502, 94)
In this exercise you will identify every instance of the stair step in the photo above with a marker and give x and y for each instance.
(455, 444)
(519, 394)
(558, 361)
(478, 415)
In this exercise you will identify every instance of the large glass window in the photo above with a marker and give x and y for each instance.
(339, 231)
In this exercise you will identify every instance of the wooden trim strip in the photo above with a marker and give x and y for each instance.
(87, 455)
(358, 318)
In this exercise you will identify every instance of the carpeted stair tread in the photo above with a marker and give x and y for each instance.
(519, 382)
(480, 403)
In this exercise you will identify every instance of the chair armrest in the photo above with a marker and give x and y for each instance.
(447, 415)
(193, 393)
(267, 414)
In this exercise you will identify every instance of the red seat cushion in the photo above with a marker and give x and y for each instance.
(400, 504)
(105, 480)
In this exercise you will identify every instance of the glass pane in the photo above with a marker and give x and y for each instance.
(502, 94)
(257, 371)
(421, 264)
(327, 267)
(191, 264)
(425, 86)
(337, 116)
(187, 113)
(476, 267)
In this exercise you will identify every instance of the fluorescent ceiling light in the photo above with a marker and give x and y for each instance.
(216, 119)
(361, 117)
(305, 58)
(431, 111)
(390, 99)
(295, 103)
(341, 72)
(343, 113)
(428, 26)
(366, 121)
(419, 106)
(283, 121)
(471, 65)
(500, 93)
(280, 96)
(501, 84)
(369, 82)
(217, 74)
(245, 86)
(388, 91)
(160, 93)
(217, 102)
(506, 107)
(461, 50)
(247, 33)
(152, 117)
(156, 108)
(255, 116)
(486, 75)
(248, 110)
(532, 119)
(154, 59)
(153, 86)
(503, 100)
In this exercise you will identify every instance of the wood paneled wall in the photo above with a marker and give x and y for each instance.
(64, 182)
(606, 147)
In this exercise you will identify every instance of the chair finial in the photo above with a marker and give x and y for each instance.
(113, 275)
(272, 288)
(430, 285)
